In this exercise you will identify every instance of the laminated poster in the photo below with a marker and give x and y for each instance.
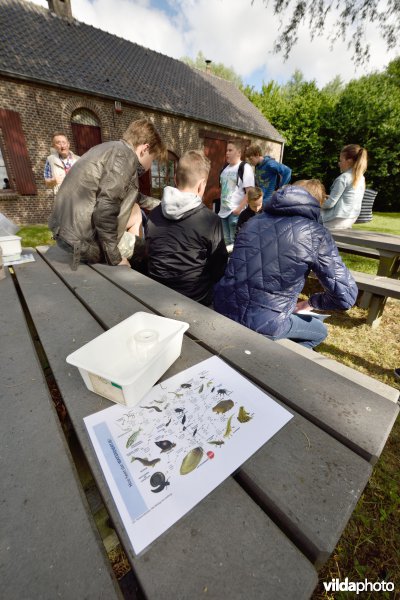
(188, 434)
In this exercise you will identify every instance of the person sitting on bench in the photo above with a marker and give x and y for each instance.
(184, 239)
(271, 259)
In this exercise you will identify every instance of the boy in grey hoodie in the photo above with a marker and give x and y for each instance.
(184, 240)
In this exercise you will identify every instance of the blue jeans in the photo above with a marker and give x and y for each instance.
(305, 330)
(229, 224)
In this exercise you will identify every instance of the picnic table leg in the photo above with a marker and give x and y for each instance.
(375, 311)
(387, 265)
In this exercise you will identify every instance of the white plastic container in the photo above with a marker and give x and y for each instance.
(116, 366)
(11, 246)
(7, 227)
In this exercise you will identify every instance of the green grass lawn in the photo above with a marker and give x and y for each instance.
(35, 235)
(383, 222)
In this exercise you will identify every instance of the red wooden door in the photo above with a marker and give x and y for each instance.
(215, 150)
(85, 137)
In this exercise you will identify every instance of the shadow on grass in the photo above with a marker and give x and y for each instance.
(344, 356)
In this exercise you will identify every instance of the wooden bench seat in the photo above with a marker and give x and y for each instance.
(380, 288)
(49, 545)
(358, 250)
(384, 390)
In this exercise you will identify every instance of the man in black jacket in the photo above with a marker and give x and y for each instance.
(184, 240)
(96, 200)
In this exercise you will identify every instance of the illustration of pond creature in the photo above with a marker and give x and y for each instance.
(176, 394)
(191, 460)
(201, 388)
(223, 392)
(194, 432)
(183, 419)
(178, 410)
(166, 425)
(212, 389)
(243, 416)
(152, 408)
(228, 430)
(132, 438)
(159, 401)
(210, 454)
(165, 445)
(186, 385)
(217, 442)
(159, 482)
(209, 383)
(223, 406)
(145, 462)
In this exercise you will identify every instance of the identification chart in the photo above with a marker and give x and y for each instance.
(188, 434)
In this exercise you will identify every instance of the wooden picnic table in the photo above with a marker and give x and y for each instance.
(264, 531)
(387, 245)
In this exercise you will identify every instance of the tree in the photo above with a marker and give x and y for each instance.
(294, 109)
(318, 123)
(351, 20)
(218, 69)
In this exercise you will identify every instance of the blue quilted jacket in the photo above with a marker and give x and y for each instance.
(272, 256)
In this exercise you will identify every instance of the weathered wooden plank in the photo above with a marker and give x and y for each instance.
(359, 418)
(227, 544)
(301, 453)
(358, 250)
(381, 286)
(49, 545)
(365, 381)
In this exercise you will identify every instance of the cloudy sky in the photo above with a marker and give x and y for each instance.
(238, 33)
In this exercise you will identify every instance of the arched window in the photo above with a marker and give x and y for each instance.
(86, 130)
(163, 174)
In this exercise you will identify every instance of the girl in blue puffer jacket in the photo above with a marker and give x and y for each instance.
(272, 257)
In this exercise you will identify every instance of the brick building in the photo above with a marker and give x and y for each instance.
(57, 74)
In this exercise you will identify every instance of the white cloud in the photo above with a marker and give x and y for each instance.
(235, 32)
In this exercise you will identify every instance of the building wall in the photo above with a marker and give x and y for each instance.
(45, 109)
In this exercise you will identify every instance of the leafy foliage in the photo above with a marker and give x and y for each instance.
(317, 123)
(351, 19)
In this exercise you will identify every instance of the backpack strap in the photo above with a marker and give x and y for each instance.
(240, 172)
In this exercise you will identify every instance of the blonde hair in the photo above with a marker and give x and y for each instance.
(313, 187)
(360, 157)
(192, 166)
(143, 131)
(253, 193)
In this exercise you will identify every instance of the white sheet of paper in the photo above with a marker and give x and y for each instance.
(311, 313)
(24, 258)
(172, 431)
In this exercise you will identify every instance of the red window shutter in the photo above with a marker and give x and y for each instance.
(14, 140)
